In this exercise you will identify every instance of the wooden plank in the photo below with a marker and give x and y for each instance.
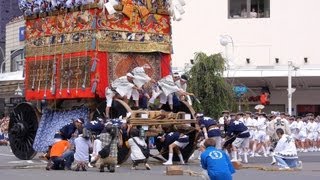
(174, 170)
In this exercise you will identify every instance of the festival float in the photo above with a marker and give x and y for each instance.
(74, 49)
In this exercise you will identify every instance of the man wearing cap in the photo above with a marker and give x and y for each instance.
(67, 130)
(123, 86)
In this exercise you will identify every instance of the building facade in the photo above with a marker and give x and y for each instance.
(8, 10)
(263, 41)
(12, 76)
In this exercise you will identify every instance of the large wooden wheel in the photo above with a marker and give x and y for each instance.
(23, 127)
(189, 149)
(118, 108)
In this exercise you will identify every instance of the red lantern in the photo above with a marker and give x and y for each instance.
(264, 98)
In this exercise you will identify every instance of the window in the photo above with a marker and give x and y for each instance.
(17, 58)
(249, 9)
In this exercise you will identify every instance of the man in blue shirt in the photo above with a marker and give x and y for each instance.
(240, 131)
(216, 162)
(67, 130)
(180, 143)
(209, 129)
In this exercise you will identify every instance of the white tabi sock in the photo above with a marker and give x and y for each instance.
(181, 158)
(169, 162)
(245, 157)
(234, 155)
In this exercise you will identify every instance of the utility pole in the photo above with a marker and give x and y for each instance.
(290, 88)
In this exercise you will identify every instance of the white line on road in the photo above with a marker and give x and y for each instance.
(6, 154)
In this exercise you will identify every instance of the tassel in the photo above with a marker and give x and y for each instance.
(94, 65)
(53, 89)
(54, 67)
(93, 43)
(94, 86)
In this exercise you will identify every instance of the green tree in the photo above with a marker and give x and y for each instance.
(209, 86)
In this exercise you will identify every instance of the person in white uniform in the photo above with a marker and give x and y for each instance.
(140, 78)
(285, 152)
(260, 135)
(312, 134)
(122, 86)
(164, 89)
(302, 134)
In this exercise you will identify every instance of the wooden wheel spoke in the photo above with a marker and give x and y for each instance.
(23, 128)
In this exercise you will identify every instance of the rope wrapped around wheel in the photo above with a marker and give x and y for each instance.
(190, 131)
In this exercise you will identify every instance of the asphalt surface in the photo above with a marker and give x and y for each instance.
(12, 168)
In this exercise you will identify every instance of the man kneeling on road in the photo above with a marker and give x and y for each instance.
(61, 157)
(285, 152)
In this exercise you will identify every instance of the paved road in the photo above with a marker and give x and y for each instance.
(12, 168)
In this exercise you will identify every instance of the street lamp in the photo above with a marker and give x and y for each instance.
(18, 91)
(290, 89)
(225, 40)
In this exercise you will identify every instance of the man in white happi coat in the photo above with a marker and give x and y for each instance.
(285, 152)
(123, 86)
(140, 78)
(164, 89)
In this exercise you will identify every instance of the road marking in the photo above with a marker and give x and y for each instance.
(26, 161)
(16, 162)
(6, 154)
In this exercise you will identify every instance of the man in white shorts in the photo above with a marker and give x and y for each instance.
(260, 136)
(312, 134)
(302, 135)
(165, 89)
(242, 134)
(181, 143)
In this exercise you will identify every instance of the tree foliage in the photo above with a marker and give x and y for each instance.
(209, 86)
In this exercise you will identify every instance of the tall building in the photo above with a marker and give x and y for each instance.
(11, 77)
(8, 10)
(265, 42)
